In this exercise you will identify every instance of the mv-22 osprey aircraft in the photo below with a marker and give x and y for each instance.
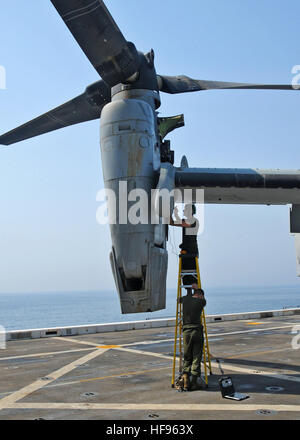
(134, 149)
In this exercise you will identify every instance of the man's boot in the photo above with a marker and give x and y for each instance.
(186, 382)
(194, 383)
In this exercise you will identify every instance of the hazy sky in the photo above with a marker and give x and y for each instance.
(49, 238)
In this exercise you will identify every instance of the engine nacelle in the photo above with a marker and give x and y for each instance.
(131, 162)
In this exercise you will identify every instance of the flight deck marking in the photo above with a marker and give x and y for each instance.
(146, 371)
(10, 400)
(130, 373)
(64, 339)
(172, 339)
(256, 352)
(76, 350)
(225, 366)
(155, 407)
(210, 335)
(147, 353)
(251, 331)
(29, 389)
(257, 372)
(93, 344)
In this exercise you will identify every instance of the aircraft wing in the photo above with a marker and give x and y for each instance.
(246, 186)
(241, 186)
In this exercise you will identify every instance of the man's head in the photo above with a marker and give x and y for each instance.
(197, 290)
(189, 210)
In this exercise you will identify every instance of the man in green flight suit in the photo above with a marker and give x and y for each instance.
(192, 329)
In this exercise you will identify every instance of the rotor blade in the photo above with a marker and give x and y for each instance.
(99, 37)
(85, 107)
(183, 84)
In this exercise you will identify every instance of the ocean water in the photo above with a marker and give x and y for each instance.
(38, 310)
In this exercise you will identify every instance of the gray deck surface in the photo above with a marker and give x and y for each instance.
(76, 378)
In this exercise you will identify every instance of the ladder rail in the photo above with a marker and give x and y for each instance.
(204, 321)
(180, 336)
(207, 345)
(178, 323)
(204, 356)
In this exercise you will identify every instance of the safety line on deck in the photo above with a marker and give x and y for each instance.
(156, 407)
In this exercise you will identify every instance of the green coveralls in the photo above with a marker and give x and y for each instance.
(192, 334)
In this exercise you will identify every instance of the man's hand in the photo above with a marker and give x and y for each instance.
(178, 219)
(198, 295)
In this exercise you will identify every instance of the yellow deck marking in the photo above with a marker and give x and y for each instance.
(156, 407)
(255, 323)
(108, 346)
(29, 389)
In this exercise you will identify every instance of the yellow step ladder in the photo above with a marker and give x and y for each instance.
(178, 324)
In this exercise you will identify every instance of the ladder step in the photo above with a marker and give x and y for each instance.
(189, 270)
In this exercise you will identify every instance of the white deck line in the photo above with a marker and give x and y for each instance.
(14, 335)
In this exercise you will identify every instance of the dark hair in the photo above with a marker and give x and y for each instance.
(193, 208)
